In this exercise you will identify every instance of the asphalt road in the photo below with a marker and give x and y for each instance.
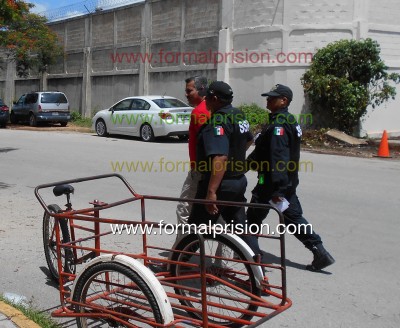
(353, 203)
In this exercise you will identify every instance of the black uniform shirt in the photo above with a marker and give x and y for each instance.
(276, 155)
(225, 133)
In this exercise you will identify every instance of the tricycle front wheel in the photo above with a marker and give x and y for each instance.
(50, 244)
(113, 295)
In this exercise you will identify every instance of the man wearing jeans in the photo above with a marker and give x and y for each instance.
(195, 91)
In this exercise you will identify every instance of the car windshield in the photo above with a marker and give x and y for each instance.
(169, 103)
(58, 98)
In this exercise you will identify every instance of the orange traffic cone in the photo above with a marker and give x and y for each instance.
(383, 150)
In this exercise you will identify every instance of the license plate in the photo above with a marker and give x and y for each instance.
(55, 114)
(184, 118)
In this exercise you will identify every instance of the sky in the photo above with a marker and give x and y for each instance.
(46, 5)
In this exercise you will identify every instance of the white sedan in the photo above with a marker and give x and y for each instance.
(146, 117)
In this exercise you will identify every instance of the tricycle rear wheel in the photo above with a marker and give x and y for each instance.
(221, 255)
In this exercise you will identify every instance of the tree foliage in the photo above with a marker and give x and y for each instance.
(255, 115)
(26, 39)
(345, 78)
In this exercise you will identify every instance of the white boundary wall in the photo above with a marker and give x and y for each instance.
(292, 27)
(254, 27)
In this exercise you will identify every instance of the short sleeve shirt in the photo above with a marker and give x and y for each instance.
(225, 133)
(198, 117)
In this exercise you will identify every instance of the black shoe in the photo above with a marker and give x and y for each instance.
(322, 258)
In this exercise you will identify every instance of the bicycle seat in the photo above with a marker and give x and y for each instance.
(64, 189)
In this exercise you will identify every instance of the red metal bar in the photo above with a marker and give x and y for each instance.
(267, 308)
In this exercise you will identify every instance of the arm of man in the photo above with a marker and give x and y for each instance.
(218, 170)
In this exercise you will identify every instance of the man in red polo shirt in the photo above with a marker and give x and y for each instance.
(195, 91)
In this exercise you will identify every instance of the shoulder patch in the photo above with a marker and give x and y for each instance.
(219, 130)
(244, 126)
(279, 131)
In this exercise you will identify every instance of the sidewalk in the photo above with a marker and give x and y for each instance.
(12, 318)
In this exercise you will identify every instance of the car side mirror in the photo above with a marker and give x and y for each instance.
(14, 102)
(111, 110)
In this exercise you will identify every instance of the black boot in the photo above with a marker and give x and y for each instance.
(322, 258)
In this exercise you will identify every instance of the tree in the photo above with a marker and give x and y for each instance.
(345, 78)
(26, 39)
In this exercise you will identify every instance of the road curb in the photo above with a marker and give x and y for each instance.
(16, 316)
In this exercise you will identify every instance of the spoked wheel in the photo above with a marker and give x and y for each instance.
(50, 244)
(230, 302)
(32, 120)
(113, 295)
(146, 133)
(101, 128)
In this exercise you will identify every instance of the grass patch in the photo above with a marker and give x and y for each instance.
(41, 318)
(78, 120)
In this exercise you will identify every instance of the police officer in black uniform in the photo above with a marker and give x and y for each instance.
(221, 157)
(276, 158)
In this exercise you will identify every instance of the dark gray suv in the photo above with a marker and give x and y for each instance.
(45, 106)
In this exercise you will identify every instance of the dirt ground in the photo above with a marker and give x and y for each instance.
(318, 142)
(313, 140)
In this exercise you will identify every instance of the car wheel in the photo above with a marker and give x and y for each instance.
(63, 123)
(32, 120)
(101, 128)
(146, 133)
(13, 118)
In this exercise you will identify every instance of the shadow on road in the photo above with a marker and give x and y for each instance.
(7, 149)
(158, 140)
(50, 281)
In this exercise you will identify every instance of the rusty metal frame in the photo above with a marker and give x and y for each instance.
(92, 214)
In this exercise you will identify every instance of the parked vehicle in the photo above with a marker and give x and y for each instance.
(4, 113)
(146, 117)
(46, 106)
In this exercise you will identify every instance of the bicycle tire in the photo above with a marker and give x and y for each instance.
(237, 273)
(91, 284)
(49, 244)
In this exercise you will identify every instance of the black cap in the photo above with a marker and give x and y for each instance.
(279, 90)
(221, 90)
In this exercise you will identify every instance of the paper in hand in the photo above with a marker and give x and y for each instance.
(281, 206)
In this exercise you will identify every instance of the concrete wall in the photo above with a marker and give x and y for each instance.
(291, 27)
(132, 50)
(384, 26)
(170, 32)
